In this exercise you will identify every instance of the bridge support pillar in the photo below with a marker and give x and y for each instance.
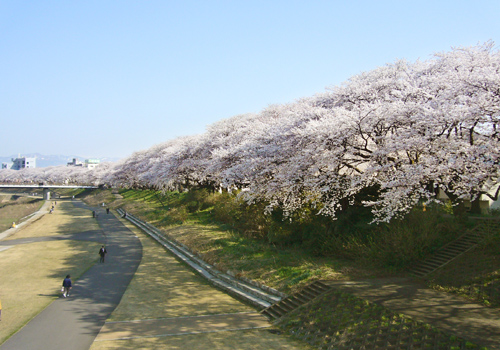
(46, 194)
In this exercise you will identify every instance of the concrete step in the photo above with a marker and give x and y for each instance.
(449, 252)
(293, 301)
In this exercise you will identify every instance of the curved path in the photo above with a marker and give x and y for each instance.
(74, 322)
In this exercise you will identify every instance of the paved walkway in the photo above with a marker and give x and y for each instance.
(74, 322)
(452, 314)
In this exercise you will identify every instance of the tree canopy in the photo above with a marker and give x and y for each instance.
(406, 129)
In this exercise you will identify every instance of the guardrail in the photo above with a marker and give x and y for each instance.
(250, 291)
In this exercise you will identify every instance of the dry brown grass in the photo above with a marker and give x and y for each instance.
(241, 340)
(254, 260)
(19, 209)
(163, 287)
(66, 219)
(31, 276)
(97, 197)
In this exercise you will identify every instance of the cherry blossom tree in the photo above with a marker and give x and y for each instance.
(406, 130)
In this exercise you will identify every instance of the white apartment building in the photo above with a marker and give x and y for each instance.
(21, 163)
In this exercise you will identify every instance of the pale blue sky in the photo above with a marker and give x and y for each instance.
(107, 78)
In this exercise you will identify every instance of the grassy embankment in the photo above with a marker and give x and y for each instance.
(31, 274)
(14, 208)
(475, 275)
(287, 255)
(285, 268)
(288, 266)
(164, 288)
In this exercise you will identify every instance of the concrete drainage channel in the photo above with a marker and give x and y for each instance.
(249, 291)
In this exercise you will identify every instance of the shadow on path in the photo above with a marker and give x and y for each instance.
(74, 322)
(93, 236)
(182, 326)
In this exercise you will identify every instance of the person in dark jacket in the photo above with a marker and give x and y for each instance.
(102, 253)
(66, 286)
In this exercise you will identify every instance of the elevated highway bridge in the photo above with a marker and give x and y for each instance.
(46, 188)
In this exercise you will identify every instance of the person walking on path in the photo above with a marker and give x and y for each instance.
(102, 253)
(107, 210)
(66, 286)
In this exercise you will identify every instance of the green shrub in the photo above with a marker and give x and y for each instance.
(395, 245)
(176, 215)
(226, 209)
(248, 220)
(402, 242)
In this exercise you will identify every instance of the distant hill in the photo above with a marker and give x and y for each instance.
(43, 161)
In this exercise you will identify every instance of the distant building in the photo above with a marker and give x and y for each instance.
(22, 162)
(75, 162)
(89, 163)
(92, 163)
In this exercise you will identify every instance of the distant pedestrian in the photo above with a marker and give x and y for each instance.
(107, 210)
(102, 253)
(66, 286)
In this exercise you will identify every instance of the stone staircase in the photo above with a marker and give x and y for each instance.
(247, 290)
(292, 302)
(454, 249)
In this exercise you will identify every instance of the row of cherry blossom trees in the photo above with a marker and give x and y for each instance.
(405, 130)
(57, 175)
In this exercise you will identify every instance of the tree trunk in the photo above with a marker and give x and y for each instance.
(476, 206)
(460, 211)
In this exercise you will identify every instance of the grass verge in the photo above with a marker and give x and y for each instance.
(31, 274)
(241, 340)
(163, 287)
(66, 219)
(31, 277)
(14, 210)
(287, 268)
